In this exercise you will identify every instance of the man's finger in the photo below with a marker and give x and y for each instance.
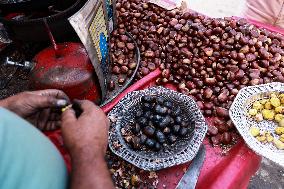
(68, 116)
(53, 93)
(48, 102)
(87, 106)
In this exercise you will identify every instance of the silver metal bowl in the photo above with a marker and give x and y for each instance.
(180, 152)
(238, 113)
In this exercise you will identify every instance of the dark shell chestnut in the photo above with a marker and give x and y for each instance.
(172, 139)
(183, 131)
(136, 142)
(160, 100)
(142, 121)
(149, 131)
(147, 106)
(143, 139)
(160, 136)
(150, 143)
(147, 98)
(178, 120)
(136, 128)
(164, 122)
(157, 146)
(176, 129)
(160, 109)
(168, 104)
(138, 114)
(147, 114)
(176, 112)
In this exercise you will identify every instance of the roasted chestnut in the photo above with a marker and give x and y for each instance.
(136, 128)
(143, 139)
(160, 100)
(160, 136)
(142, 121)
(183, 131)
(147, 98)
(176, 112)
(178, 120)
(157, 146)
(136, 142)
(164, 122)
(176, 129)
(160, 109)
(149, 131)
(168, 104)
(172, 139)
(150, 143)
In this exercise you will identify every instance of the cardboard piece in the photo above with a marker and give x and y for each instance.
(93, 23)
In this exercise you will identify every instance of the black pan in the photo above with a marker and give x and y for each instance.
(7, 6)
(34, 29)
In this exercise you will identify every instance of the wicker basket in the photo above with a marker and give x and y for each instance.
(182, 151)
(238, 113)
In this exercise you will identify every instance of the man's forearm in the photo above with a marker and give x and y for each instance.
(89, 173)
(4, 103)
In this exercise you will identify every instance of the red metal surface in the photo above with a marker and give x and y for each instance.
(68, 69)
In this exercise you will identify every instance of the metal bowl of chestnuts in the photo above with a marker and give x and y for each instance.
(156, 128)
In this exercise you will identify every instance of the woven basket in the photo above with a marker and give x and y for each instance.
(238, 113)
(182, 151)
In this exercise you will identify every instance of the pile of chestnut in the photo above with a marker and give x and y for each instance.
(122, 56)
(210, 59)
(157, 123)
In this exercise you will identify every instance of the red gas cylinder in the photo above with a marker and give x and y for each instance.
(67, 68)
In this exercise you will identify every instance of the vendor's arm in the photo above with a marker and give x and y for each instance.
(85, 138)
(38, 107)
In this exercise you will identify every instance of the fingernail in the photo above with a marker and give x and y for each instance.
(61, 102)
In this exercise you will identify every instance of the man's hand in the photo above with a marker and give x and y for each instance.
(41, 108)
(86, 139)
(88, 134)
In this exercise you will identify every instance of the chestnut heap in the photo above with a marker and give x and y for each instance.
(210, 59)
(157, 123)
(122, 56)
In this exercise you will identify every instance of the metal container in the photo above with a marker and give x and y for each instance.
(69, 69)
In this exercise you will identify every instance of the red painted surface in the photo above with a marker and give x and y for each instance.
(232, 170)
(69, 70)
(220, 171)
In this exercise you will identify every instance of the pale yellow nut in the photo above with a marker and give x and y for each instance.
(259, 117)
(281, 139)
(267, 105)
(254, 131)
(281, 123)
(252, 112)
(281, 96)
(278, 117)
(269, 138)
(257, 105)
(279, 109)
(275, 101)
(273, 95)
(263, 101)
(278, 144)
(66, 107)
(261, 138)
(268, 114)
(279, 130)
